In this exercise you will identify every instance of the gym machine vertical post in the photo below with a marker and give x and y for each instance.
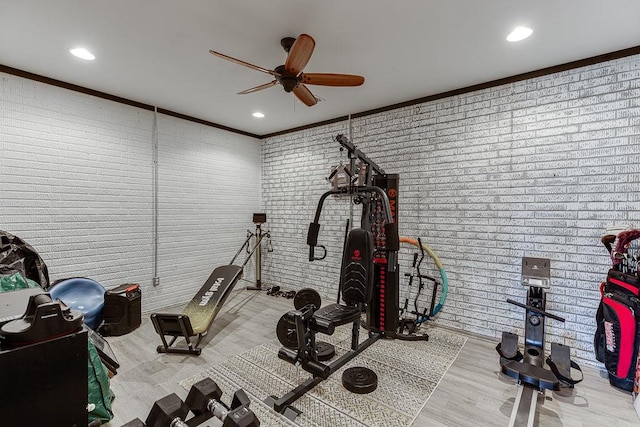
(258, 220)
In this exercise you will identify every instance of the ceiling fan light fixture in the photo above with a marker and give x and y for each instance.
(82, 53)
(258, 115)
(519, 33)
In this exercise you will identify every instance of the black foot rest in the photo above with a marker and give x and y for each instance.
(561, 364)
(536, 376)
(336, 315)
(508, 348)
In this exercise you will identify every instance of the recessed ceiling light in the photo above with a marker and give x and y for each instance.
(82, 53)
(258, 115)
(519, 33)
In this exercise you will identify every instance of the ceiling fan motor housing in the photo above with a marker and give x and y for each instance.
(289, 81)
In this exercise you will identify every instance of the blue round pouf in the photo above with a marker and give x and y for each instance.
(81, 294)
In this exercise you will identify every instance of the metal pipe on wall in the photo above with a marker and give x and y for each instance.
(154, 149)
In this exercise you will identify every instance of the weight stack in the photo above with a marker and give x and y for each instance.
(122, 312)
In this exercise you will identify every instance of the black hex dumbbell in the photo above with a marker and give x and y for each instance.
(134, 423)
(170, 411)
(204, 401)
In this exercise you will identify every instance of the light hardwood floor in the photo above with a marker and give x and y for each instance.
(472, 393)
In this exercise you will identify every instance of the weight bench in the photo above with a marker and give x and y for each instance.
(199, 314)
(197, 317)
(356, 288)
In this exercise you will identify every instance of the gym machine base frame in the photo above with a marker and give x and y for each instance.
(283, 405)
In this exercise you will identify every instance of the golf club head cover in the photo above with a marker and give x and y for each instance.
(624, 239)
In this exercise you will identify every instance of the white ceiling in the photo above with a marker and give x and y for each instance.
(156, 51)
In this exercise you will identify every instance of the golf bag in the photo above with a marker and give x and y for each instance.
(617, 336)
(17, 256)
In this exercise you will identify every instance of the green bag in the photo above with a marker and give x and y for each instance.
(14, 282)
(100, 394)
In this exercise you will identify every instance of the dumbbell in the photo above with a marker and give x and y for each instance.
(135, 423)
(204, 401)
(170, 411)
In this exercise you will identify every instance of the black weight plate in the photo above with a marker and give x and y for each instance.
(286, 332)
(359, 380)
(307, 296)
(325, 351)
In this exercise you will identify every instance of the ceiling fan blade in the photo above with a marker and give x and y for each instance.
(246, 64)
(329, 79)
(257, 88)
(299, 54)
(304, 94)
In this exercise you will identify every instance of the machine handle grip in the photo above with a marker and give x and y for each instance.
(393, 239)
(312, 235)
(312, 241)
(312, 256)
(536, 310)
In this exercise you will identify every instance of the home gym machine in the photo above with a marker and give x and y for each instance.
(203, 401)
(353, 180)
(199, 314)
(368, 281)
(528, 368)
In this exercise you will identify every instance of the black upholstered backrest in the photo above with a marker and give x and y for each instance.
(357, 267)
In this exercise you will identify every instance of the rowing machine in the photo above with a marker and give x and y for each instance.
(528, 368)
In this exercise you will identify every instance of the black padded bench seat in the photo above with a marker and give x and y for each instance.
(336, 315)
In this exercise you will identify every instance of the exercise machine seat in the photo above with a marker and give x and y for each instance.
(81, 294)
(337, 314)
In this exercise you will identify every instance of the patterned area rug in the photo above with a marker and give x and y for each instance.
(408, 372)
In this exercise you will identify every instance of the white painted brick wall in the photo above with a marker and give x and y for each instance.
(209, 187)
(76, 182)
(536, 168)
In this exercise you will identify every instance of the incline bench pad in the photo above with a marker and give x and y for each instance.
(204, 307)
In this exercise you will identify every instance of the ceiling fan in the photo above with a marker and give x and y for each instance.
(290, 75)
